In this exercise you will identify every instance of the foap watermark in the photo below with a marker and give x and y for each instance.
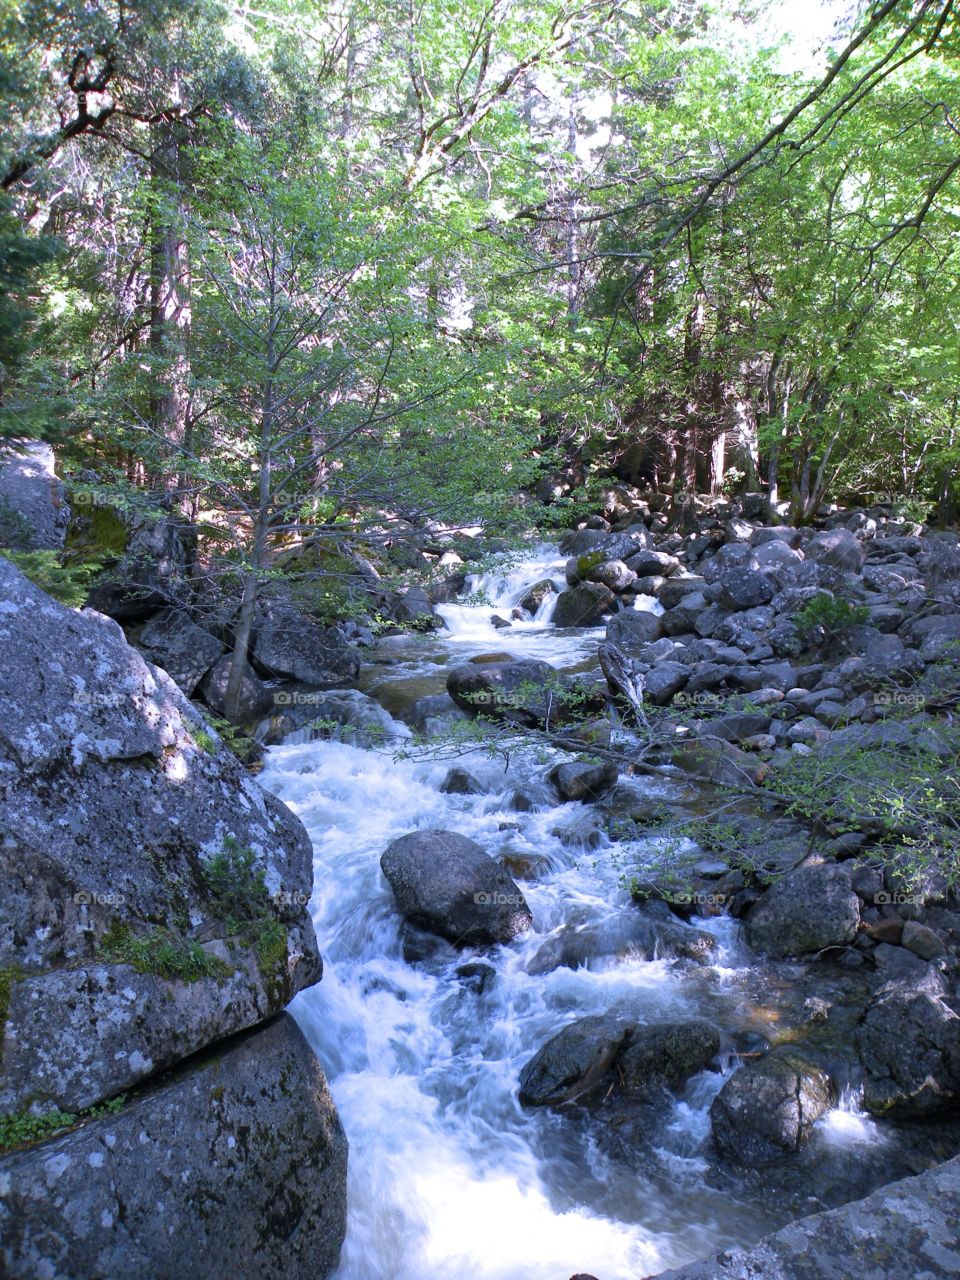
(696, 898)
(702, 699)
(899, 698)
(94, 898)
(88, 698)
(497, 899)
(290, 898)
(897, 899)
(297, 698)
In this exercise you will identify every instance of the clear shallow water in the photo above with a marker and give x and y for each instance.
(449, 1176)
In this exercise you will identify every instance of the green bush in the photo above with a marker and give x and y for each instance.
(831, 612)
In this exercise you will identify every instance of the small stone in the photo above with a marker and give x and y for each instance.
(922, 941)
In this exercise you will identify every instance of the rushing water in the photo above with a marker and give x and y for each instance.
(449, 1176)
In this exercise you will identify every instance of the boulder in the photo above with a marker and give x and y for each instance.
(236, 1167)
(346, 715)
(154, 895)
(653, 564)
(34, 510)
(683, 617)
(573, 1062)
(906, 1228)
(837, 548)
(720, 762)
(674, 590)
(446, 883)
(290, 645)
(809, 909)
(146, 560)
(632, 628)
(664, 681)
(576, 781)
(746, 588)
(535, 596)
(185, 651)
(768, 1108)
(583, 605)
(909, 1043)
(613, 574)
(668, 1053)
(256, 700)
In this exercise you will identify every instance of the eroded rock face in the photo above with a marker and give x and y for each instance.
(34, 511)
(185, 651)
(808, 909)
(448, 884)
(237, 1167)
(116, 803)
(768, 1108)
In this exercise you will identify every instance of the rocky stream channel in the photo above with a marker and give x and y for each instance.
(562, 1097)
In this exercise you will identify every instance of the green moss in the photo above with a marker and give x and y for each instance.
(271, 948)
(24, 1128)
(162, 952)
(588, 562)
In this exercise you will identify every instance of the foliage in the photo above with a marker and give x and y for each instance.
(831, 612)
(68, 581)
(23, 1128)
(162, 952)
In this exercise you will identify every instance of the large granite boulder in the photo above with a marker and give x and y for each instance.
(154, 895)
(583, 605)
(837, 548)
(145, 560)
(450, 885)
(521, 691)
(34, 510)
(235, 1167)
(807, 910)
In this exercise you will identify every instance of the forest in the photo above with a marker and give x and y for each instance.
(480, 633)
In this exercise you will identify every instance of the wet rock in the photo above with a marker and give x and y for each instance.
(537, 594)
(907, 1228)
(768, 1108)
(478, 976)
(459, 782)
(909, 1043)
(583, 605)
(446, 883)
(434, 714)
(235, 1168)
(667, 1052)
(583, 781)
(185, 651)
(346, 715)
(809, 909)
(573, 1062)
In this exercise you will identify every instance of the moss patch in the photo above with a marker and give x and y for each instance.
(164, 953)
(23, 1128)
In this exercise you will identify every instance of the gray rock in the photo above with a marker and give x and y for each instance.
(837, 548)
(146, 574)
(922, 941)
(808, 909)
(633, 628)
(746, 588)
(111, 813)
(446, 883)
(653, 564)
(613, 574)
(906, 1229)
(256, 699)
(523, 691)
(665, 680)
(433, 714)
(346, 715)
(583, 781)
(537, 594)
(235, 1168)
(682, 618)
(670, 1052)
(573, 1062)
(712, 759)
(769, 1107)
(909, 1043)
(583, 605)
(290, 645)
(185, 651)
(674, 590)
(34, 510)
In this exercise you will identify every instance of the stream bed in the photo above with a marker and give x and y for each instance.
(449, 1174)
